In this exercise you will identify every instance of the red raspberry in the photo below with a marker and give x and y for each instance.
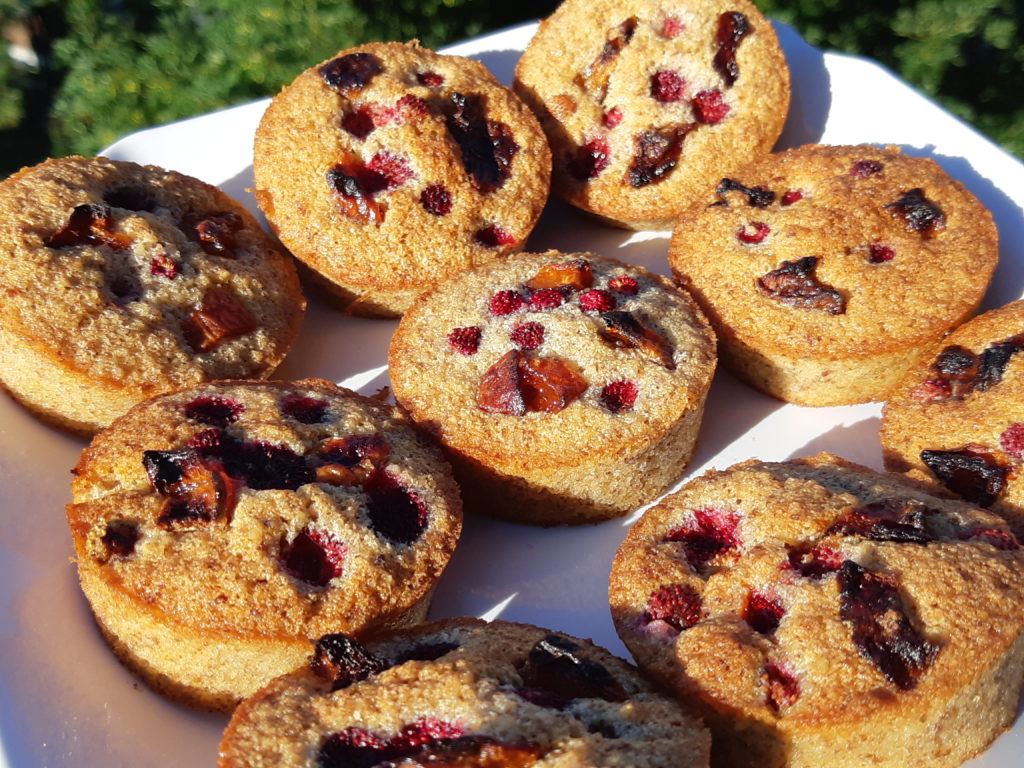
(709, 107)
(596, 300)
(1012, 440)
(411, 107)
(881, 253)
(672, 27)
(359, 122)
(431, 79)
(759, 233)
(505, 303)
(864, 168)
(667, 86)
(528, 335)
(392, 170)
(932, 391)
(162, 264)
(763, 612)
(624, 284)
(308, 410)
(436, 199)
(592, 158)
(493, 237)
(619, 396)
(675, 604)
(546, 298)
(612, 117)
(792, 196)
(466, 340)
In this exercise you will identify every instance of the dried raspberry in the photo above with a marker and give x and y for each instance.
(732, 28)
(591, 159)
(611, 118)
(164, 266)
(792, 196)
(466, 340)
(596, 300)
(711, 534)
(754, 232)
(392, 170)
(932, 391)
(351, 72)
(864, 168)
(1012, 440)
(342, 660)
(783, 687)
(430, 79)
(546, 298)
(619, 396)
(436, 199)
(678, 605)
(307, 410)
(213, 410)
(624, 284)
(709, 107)
(672, 27)
(528, 335)
(505, 303)
(493, 237)
(359, 122)
(880, 253)
(813, 562)
(313, 556)
(410, 107)
(762, 612)
(667, 86)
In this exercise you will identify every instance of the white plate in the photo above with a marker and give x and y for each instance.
(65, 701)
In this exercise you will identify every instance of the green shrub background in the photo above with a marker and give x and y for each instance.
(108, 67)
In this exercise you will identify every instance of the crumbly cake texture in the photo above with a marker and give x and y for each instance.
(957, 417)
(389, 168)
(219, 530)
(461, 692)
(827, 271)
(821, 614)
(647, 103)
(122, 281)
(563, 404)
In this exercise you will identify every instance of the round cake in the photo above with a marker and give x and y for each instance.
(647, 103)
(219, 530)
(827, 271)
(957, 417)
(389, 168)
(121, 281)
(566, 388)
(820, 615)
(462, 692)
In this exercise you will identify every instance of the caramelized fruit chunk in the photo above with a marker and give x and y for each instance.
(499, 390)
(350, 73)
(216, 233)
(657, 153)
(258, 464)
(118, 540)
(994, 360)
(795, 284)
(623, 329)
(813, 562)
(886, 520)
(555, 665)
(882, 631)
(342, 660)
(314, 556)
(678, 605)
(919, 213)
(762, 611)
(354, 187)
(487, 146)
(351, 460)
(89, 224)
(426, 652)
(783, 688)
(469, 752)
(575, 275)
(164, 266)
(359, 748)
(594, 79)
(520, 382)
(395, 512)
(758, 197)
(198, 490)
(970, 472)
(712, 535)
(220, 316)
(732, 28)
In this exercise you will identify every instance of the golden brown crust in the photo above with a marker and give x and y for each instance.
(749, 530)
(551, 77)
(89, 329)
(887, 291)
(474, 688)
(381, 269)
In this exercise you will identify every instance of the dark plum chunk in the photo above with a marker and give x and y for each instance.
(919, 213)
(350, 73)
(487, 146)
(970, 472)
(342, 660)
(733, 26)
(555, 665)
(796, 284)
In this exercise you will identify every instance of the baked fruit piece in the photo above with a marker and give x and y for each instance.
(566, 388)
(462, 692)
(828, 271)
(957, 417)
(219, 530)
(123, 281)
(389, 168)
(644, 102)
(821, 614)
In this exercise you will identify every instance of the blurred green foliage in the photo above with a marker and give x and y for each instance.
(108, 67)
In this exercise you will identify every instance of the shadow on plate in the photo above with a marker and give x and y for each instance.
(811, 96)
(853, 442)
(502, 64)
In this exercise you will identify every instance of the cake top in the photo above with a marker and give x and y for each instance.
(462, 692)
(542, 355)
(141, 277)
(837, 250)
(830, 592)
(266, 508)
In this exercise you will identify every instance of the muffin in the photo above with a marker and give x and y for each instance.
(957, 417)
(646, 103)
(123, 281)
(822, 614)
(566, 388)
(219, 530)
(388, 168)
(462, 692)
(827, 271)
